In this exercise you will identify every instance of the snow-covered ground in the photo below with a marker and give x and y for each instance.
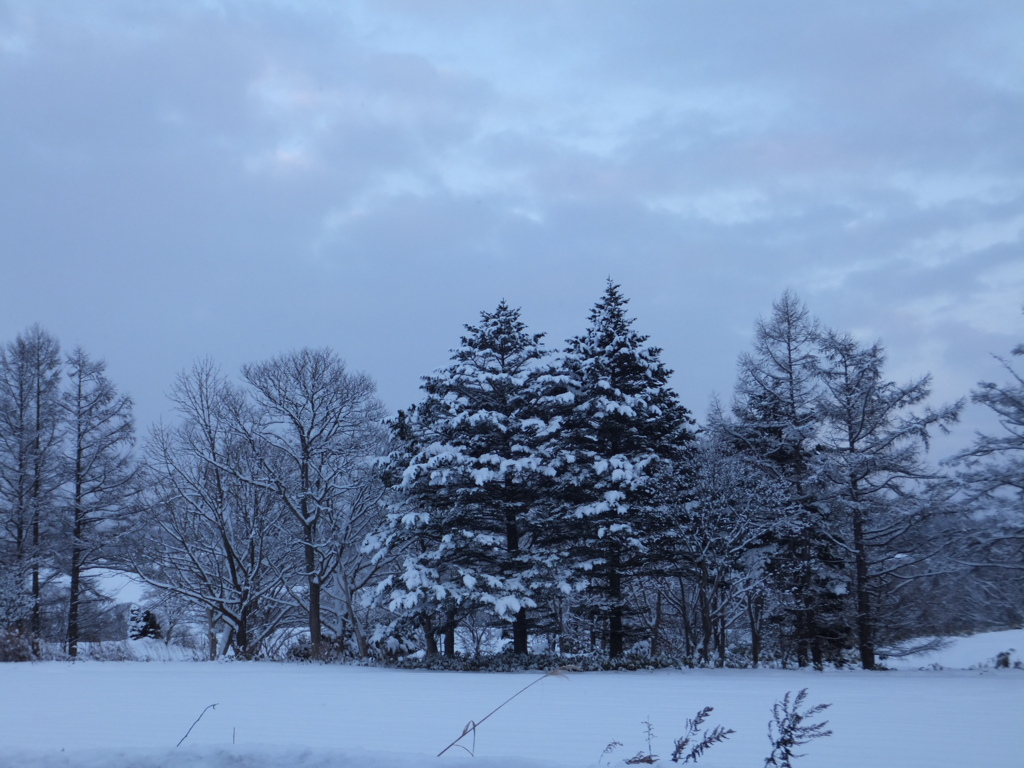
(974, 652)
(130, 715)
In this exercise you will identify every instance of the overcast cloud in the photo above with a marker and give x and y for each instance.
(238, 179)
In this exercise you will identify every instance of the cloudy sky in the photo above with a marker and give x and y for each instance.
(238, 179)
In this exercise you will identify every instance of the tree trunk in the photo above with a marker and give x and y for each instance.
(430, 637)
(704, 603)
(865, 634)
(75, 597)
(242, 650)
(520, 628)
(723, 638)
(211, 633)
(314, 596)
(656, 628)
(76, 549)
(684, 607)
(520, 633)
(755, 613)
(616, 630)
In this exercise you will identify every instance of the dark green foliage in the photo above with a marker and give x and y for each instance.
(143, 623)
(331, 649)
(622, 427)
(468, 521)
(15, 646)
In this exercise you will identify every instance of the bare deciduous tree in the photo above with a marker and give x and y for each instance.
(314, 421)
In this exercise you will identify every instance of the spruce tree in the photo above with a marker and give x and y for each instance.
(621, 426)
(469, 482)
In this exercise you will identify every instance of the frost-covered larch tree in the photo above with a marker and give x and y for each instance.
(468, 480)
(873, 442)
(101, 472)
(30, 469)
(992, 471)
(775, 423)
(621, 426)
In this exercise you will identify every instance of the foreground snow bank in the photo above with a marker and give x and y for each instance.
(121, 714)
(247, 757)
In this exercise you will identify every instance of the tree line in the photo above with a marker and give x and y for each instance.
(559, 501)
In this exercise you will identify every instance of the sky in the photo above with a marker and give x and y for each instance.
(235, 180)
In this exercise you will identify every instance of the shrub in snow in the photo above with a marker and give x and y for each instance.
(518, 662)
(15, 646)
(143, 623)
(695, 742)
(331, 649)
(789, 728)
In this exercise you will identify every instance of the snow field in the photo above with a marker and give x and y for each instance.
(121, 714)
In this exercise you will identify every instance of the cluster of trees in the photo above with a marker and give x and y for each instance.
(560, 501)
(532, 488)
(569, 498)
(260, 498)
(68, 485)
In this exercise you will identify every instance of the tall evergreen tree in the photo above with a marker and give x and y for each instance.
(622, 425)
(469, 481)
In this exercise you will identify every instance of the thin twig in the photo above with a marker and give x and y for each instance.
(471, 726)
(212, 706)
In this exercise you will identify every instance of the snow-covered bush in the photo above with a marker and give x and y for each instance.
(14, 646)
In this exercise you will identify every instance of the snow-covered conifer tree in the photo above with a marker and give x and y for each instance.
(621, 426)
(469, 472)
(992, 471)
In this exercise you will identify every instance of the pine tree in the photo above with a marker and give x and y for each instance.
(621, 426)
(469, 482)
